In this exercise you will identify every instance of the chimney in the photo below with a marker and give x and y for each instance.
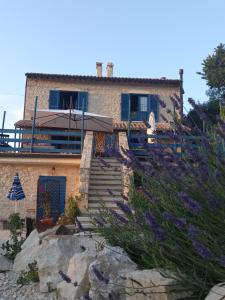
(109, 69)
(99, 69)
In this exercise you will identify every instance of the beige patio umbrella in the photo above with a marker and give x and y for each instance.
(152, 127)
(72, 119)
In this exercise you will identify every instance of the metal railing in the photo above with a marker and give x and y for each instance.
(22, 143)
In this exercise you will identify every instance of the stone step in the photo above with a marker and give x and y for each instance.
(104, 172)
(86, 222)
(104, 187)
(107, 182)
(106, 169)
(105, 158)
(106, 176)
(103, 192)
(107, 198)
(97, 205)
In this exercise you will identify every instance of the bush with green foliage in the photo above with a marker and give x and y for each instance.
(29, 276)
(13, 246)
(71, 211)
(175, 218)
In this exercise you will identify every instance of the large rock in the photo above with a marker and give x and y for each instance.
(91, 241)
(107, 272)
(217, 292)
(28, 254)
(151, 284)
(5, 264)
(78, 273)
(53, 255)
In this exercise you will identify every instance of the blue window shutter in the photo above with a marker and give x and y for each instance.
(154, 106)
(53, 102)
(62, 181)
(83, 96)
(124, 107)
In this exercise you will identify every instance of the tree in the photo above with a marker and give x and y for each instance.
(214, 73)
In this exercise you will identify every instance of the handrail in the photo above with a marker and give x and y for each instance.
(49, 132)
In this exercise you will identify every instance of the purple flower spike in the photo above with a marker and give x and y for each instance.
(124, 207)
(222, 260)
(99, 275)
(156, 229)
(189, 203)
(202, 250)
(64, 277)
(79, 225)
(124, 197)
(193, 232)
(147, 195)
(110, 192)
(118, 216)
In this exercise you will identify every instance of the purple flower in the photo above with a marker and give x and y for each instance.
(164, 118)
(124, 197)
(124, 207)
(178, 222)
(104, 163)
(147, 195)
(161, 102)
(65, 277)
(99, 275)
(99, 221)
(118, 216)
(189, 203)
(222, 260)
(156, 229)
(202, 250)
(79, 225)
(193, 232)
(110, 192)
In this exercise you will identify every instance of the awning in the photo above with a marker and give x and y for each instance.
(66, 119)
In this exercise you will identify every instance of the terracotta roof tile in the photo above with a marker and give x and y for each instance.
(84, 78)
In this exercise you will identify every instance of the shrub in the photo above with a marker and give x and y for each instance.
(71, 211)
(29, 276)
(13, 246)
(176, 216)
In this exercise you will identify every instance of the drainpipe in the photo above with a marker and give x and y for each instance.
(181, 72)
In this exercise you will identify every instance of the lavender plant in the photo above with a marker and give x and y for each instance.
(175, 219)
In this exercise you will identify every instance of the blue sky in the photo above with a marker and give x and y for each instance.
(142, 38)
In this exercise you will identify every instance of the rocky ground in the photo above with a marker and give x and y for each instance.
(10, 290)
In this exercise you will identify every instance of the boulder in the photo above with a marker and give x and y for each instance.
(217, 292)
(54, 255)
(78, 273)
(151, 284)
(107, 273)
(91, 241)
(5, 264)
(28, 254)
(56, 230)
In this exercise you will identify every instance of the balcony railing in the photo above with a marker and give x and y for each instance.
(57, 141)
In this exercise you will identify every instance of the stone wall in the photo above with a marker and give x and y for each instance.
(85, 168)
(126, 172)
(103, 98)
(29, 170)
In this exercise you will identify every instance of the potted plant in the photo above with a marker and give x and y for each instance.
(46, 204)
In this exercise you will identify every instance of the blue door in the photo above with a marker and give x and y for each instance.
(51, 197)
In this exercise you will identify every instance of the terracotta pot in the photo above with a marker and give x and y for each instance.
(47, 221)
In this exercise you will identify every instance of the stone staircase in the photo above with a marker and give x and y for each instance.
(103, 178)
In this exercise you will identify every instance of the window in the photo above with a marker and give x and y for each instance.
(68, 99)
(141, 105)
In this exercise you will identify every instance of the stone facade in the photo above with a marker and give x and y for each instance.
(29, 170)
(103, 97)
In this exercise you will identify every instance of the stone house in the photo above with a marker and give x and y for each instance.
(124, 100)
